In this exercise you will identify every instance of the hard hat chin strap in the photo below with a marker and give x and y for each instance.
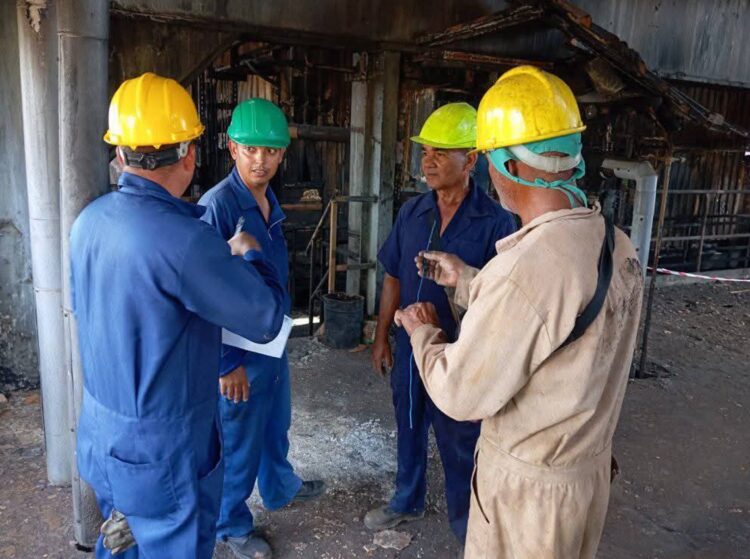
(499, 157)
(155, 159)
(547, 163)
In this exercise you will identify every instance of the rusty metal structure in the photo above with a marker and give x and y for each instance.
(631, 113)
(356, 80)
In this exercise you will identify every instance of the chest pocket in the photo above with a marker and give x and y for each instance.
(470, 251)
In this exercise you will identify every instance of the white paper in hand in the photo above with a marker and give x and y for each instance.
(274, 348)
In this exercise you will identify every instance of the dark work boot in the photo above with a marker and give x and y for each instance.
(384, 518)
(309, 490)
(249, 547)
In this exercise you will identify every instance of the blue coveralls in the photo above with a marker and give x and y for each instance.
(256, 441)
(471, 234)
(152, 285)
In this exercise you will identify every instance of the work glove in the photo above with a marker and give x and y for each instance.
(116, 532)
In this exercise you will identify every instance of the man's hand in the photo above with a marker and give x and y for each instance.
(242, 242)
(416, 315)
(234, 386)
(116, 533)
(441, 267)
(381, 356)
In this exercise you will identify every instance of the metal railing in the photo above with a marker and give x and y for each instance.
(317, 245)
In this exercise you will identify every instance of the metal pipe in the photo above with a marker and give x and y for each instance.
(310, 287)
(643, 206)
(641, 372)
(83, 32)
(707, 237)
(356, 199)
(37, 42)
(311, 243)
(321, 133)
(704, 223)
(332, 243)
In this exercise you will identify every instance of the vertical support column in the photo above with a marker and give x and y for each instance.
(642, 364)
(643, 215)
(359, 158)
(383, 168)
(37, 41)
(374, 124)
(83, 31)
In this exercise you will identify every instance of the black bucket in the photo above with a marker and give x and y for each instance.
(344, 315)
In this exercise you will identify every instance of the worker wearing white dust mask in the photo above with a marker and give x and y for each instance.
(548, 385)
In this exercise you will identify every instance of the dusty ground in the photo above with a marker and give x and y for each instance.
(683, 444)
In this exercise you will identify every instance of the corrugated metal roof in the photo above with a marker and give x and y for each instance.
(698, 40)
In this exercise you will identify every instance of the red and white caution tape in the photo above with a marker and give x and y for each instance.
(698, 276)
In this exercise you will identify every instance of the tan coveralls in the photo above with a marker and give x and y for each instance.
(541, 481)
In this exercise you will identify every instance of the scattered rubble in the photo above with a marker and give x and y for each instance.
(392, 539)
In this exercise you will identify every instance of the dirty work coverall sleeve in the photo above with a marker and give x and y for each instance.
(491, 361)
(461, 291)
(241, 296)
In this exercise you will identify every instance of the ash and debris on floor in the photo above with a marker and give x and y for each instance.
(683, 446)
(18, 361)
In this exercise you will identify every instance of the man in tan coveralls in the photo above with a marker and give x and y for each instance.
(548, 394)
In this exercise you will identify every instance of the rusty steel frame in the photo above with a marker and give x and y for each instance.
(579, 27)
(487, 24)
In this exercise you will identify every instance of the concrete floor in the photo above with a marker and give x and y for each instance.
(682, 443)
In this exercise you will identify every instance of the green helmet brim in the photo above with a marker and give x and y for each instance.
(469, 144)
(260, 142)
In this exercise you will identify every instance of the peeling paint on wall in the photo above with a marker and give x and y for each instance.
(36, 11)
(18, 350)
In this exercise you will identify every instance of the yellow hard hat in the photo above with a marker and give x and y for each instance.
(152, 111)
(452, 126)
(526, 105)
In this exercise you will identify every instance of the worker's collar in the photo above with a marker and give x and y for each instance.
(476, 204)
(577, 213)
(139, 186)
(247, 200)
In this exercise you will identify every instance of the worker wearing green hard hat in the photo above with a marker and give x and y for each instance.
(258, 122)
(255, 422)
(458, 216)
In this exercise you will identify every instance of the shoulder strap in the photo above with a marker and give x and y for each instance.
(591, 311)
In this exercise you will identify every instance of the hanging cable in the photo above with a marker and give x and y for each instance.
(411, 355)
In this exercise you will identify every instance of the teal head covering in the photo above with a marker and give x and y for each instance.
(531, 154)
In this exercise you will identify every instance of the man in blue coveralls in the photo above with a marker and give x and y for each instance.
(256, 409)
(461, 219)
(152, 287)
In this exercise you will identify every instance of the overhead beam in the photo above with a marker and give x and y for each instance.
(483, 25)
(577, 25)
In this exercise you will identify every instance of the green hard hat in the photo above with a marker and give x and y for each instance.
(258, 122)
(452, 126)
